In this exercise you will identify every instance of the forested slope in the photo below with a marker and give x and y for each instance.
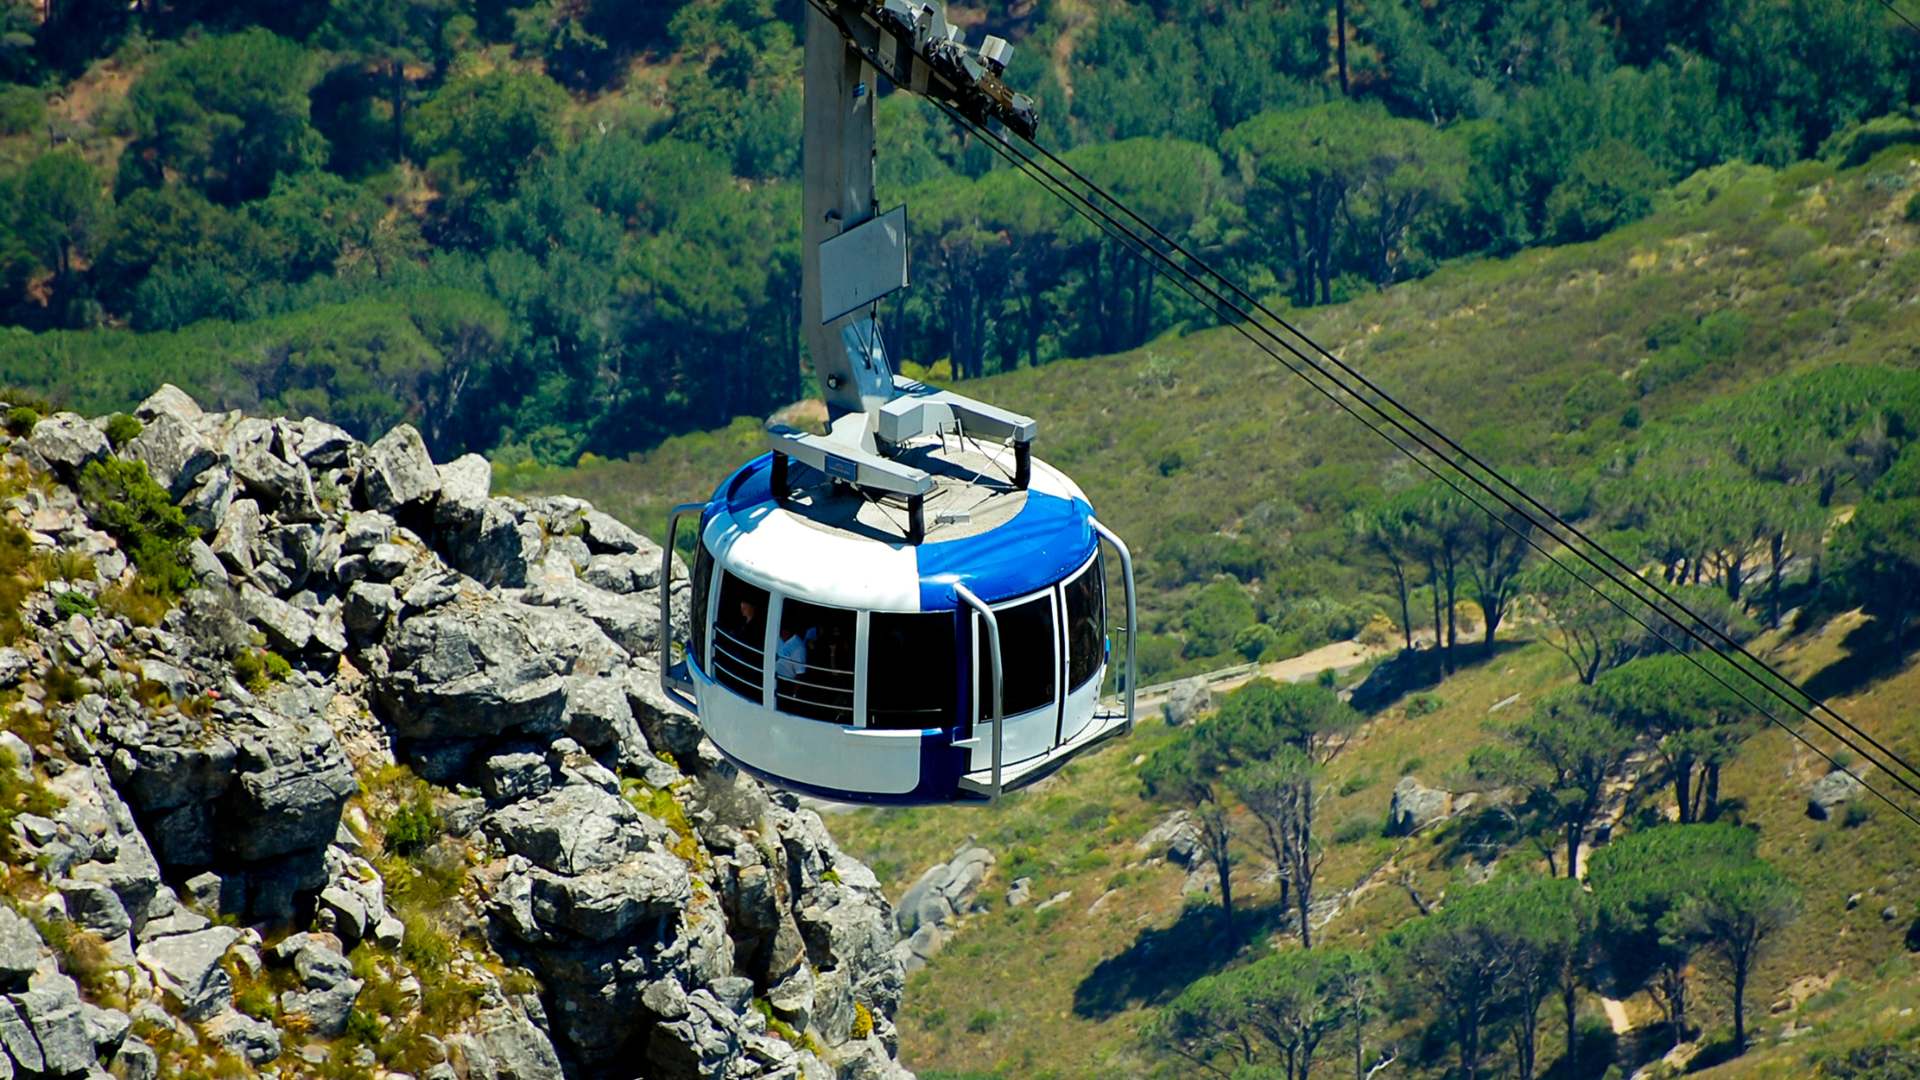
(542, 229)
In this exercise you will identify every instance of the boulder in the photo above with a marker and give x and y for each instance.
(293, 780)
(1415, 806)
(20, 948)
(93, 906)
(478, 669)
(1830, 791)
(604, 533)
(511, 777)
(465, 484)
(398, 471)
(622, 573)
(320, 444)
(236, 1032)
(288, 629)
(186, 967)
(504, 1045)
(631, 621)
(135, 1060)
(169, 400)
(266, 476)
(604, 904)
(491, 543)
(367, 607)
(13, 667)
(58, 1025)
(67, 443)
(239, 534)
(598, 713)
(1186, 700)
(174, 453)
(18, 1040)
(575, 830)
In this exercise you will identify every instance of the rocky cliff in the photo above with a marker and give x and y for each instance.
(382, 784)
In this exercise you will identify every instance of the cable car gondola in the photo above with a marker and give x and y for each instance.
(910, 607)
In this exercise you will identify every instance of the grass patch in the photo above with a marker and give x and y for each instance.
(260, 669)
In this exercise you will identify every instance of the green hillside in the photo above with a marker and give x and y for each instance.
(1219, 465)
(1734, 311)
(1659, 262)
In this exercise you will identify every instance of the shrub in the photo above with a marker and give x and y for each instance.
(122, 498)
(1252, 642)
(1420, 705)
(21, 419)
(21, 109)
(123, 429)
(70, 603)
(862, 1021)
(1857, 815)
(141, 603)
(1355, 829)
(409, 829)
(258, 669)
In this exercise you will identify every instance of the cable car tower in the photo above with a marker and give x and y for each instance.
(910, 608)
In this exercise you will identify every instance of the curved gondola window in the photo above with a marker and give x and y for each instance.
(1086, 598)
(910, 670)
(1027, 650)
(702, 587)
(813, 662)
(740, 637)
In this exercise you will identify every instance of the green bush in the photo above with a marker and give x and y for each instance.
(409, 829)
(1252, 642)
(21, 109)
(122, 498)
(1220, 611)
(68, 604)
(123, 429)
(1355, 829)
(257, 669)
(21, 419)
(1420, 705)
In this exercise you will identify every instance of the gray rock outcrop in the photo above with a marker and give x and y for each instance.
(384, 667)
(1832, 791)
(1415, 806)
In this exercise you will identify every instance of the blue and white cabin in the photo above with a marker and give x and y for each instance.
(832, 654)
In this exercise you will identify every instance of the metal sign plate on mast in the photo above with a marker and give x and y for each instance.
(863, 264)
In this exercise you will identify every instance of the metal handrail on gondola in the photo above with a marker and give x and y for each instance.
(1126, 576)
(993, 647)
(679, 689)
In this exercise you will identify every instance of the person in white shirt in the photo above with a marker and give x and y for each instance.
(790, 660)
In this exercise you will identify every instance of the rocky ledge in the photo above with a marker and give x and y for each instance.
(389, 791)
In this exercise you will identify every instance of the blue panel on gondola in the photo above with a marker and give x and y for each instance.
(841, 469)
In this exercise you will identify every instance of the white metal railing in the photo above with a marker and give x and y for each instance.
(1126, 576)
(967, 596)
(675, 687)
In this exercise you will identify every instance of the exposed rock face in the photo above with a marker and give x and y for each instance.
(361, 609)
(945, 892)
(1415, 806)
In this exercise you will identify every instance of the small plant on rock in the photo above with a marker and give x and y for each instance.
(123, 429)
(70, 603)
(122, 498)
(21, 420)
